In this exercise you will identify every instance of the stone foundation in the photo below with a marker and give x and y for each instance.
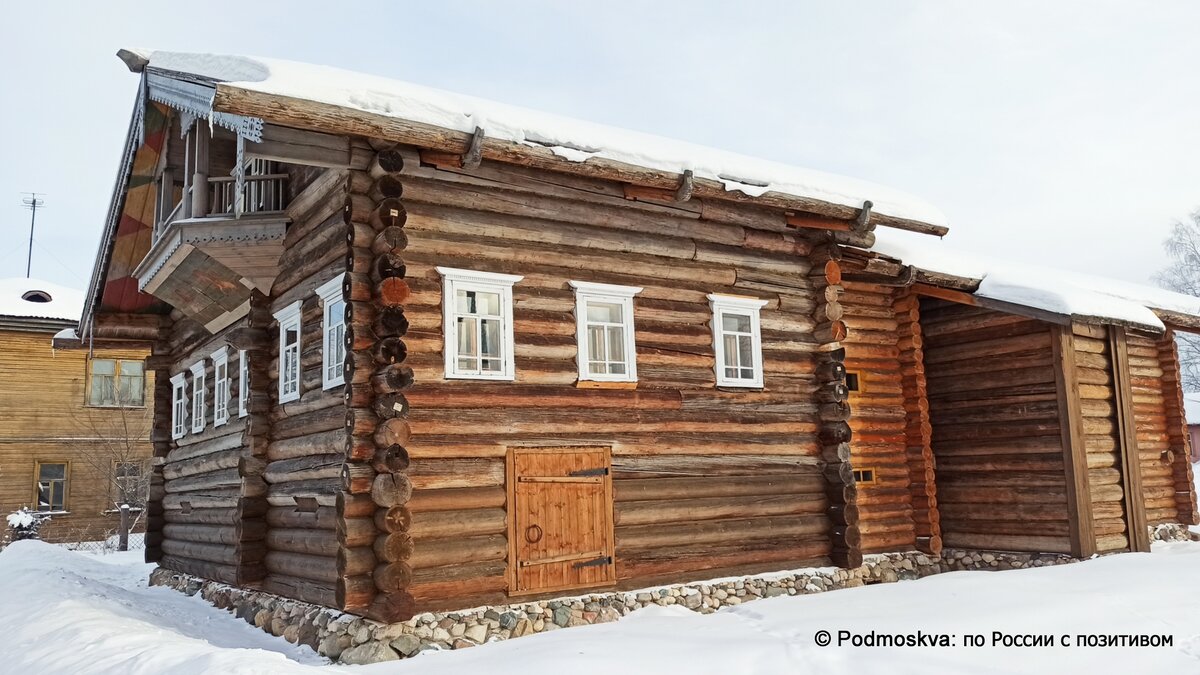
(351, 639)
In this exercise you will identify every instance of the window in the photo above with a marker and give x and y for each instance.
(477, 321)
(737, 340)
(604, 331)
(52, 486)
(334, 329)
(116, 383)
(199, 409)
(289, 352)
(856, 384)
(220, 359)
(127, 479)
(864, 476)
(243, 383)
(178, 406)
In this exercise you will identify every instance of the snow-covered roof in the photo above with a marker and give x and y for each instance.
(1068, 293)
(37, 299)
(1191, 408)
(570, 139)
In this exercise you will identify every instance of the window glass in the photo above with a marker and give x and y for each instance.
(736, 339)
(128, 479)
(52, 487)
(116, 383)
(477, 323)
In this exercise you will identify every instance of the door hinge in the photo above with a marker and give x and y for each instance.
(594, 562)
(602, 471)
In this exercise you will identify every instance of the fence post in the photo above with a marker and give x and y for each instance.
(123, 535)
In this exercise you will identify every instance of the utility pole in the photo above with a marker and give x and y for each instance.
(33, 204)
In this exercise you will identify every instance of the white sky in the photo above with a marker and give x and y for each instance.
(1054, 133)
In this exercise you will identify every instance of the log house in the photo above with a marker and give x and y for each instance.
(406, 365)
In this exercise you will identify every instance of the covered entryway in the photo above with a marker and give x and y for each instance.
(560, 519)
(1032, 432)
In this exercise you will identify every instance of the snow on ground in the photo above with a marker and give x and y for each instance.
(64, 612)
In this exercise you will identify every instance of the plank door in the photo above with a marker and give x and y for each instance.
(561, 523)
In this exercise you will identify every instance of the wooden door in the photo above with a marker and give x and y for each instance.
(560, 523)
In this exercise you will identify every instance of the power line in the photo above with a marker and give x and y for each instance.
(61, 264)
(33, 204)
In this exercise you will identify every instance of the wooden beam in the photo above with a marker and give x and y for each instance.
(643, 193)
(297, 146)
(863, 222)
(686, 186)
(945, 294)
(1178, 320)
(1131, 466)
(331, 118)
(1070, 414)
(474, 154)
(816, 222)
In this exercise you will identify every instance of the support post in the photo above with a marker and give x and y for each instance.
(200, 175)
(123, 533)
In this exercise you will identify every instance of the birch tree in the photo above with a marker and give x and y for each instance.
(1183, 275)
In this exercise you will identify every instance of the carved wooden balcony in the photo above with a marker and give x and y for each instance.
(207, 264)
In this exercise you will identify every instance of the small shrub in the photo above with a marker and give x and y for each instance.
(24, 524)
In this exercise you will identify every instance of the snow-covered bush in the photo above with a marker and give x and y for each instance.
(24, 524)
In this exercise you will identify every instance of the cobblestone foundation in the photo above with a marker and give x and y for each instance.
(351, 639)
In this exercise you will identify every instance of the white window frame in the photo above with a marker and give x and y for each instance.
(199, 405)
(329, 292)
(289, 317)
(179, 406)
(586, 292)
(243, 383)
(454, 280)
(220, 359)
(745, 306)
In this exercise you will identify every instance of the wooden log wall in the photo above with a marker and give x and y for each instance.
(994, 411)
(706, 481)
(374, 519)
(1097, 391)
(306, 452)
(160, 440)
(918, 431)
(212, 490)
(835, 433)
(1161, 430)
(879, 419)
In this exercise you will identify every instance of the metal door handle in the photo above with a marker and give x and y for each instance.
(533, 534)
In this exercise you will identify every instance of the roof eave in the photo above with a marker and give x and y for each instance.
(115, 208)
(329, 118)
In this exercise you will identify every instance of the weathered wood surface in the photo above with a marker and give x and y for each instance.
(685, 454)
(46, 419)
(879, 417)
(1161, 430)
(993, 408)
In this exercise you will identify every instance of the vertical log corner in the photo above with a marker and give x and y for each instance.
(373, 517)
(253, 506)
(832, 394)
(918, 431)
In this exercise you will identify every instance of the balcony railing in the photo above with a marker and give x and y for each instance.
(261, 194)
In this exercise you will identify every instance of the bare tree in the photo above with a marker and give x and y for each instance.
(118, 453)
(1183, 276)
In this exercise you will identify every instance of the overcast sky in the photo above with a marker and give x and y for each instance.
(1058, 133)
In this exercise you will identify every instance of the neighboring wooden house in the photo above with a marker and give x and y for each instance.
(74, 433)
(417, 351)
(999, 407)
